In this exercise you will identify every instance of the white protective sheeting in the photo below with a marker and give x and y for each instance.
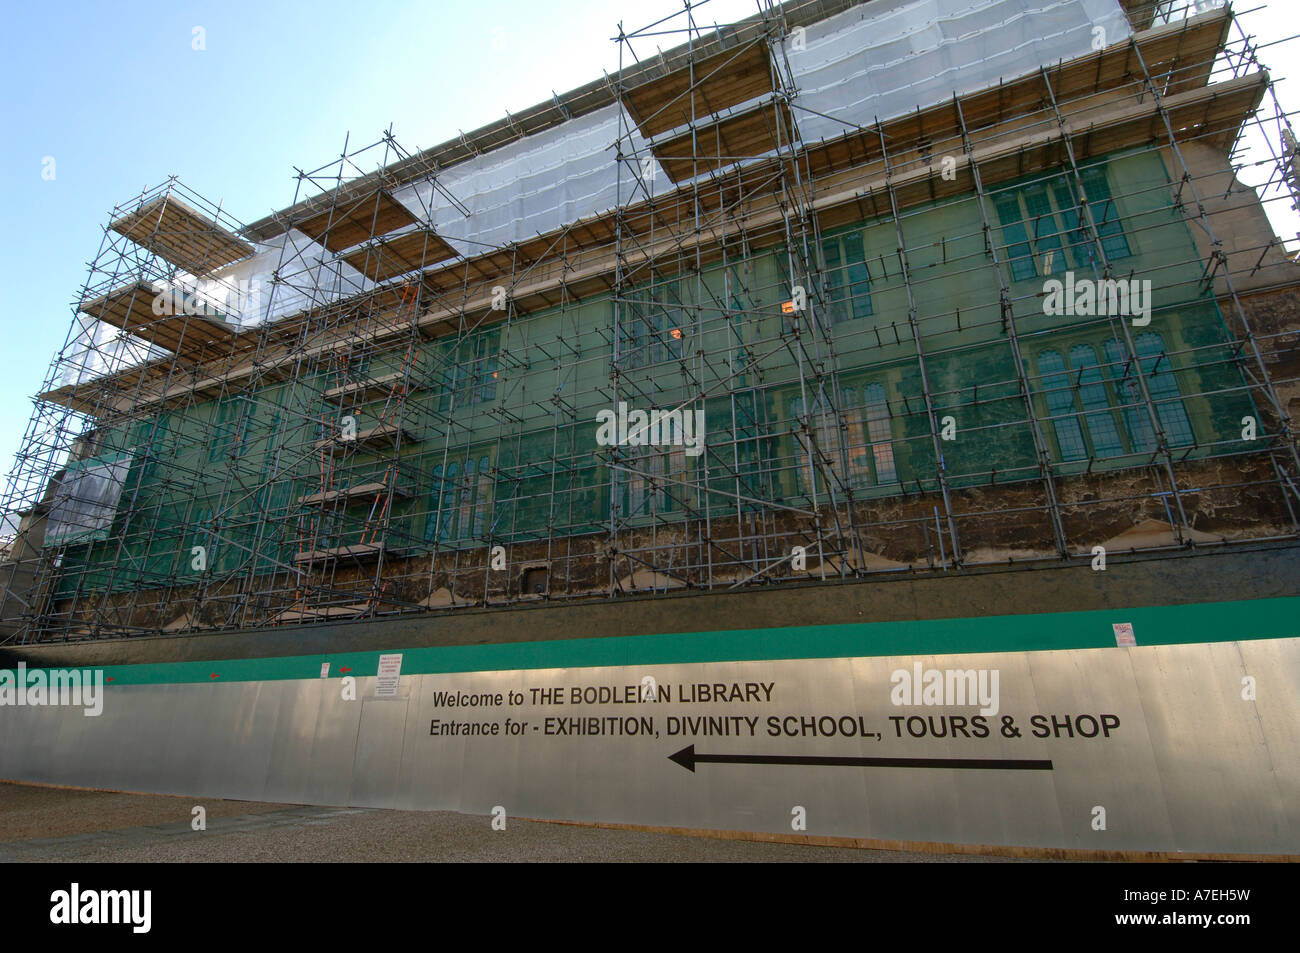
(252, 297)
(883, 59)
(100, 348)
(536, 184)
(243, 295)
(85, 502)
(875, 61)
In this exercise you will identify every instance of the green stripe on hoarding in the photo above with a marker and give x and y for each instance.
(1153, 625)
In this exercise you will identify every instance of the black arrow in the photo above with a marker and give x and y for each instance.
(688, 759)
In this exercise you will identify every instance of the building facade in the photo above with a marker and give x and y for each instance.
(902, 291)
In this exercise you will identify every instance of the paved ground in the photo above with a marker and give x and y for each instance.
(61, 824)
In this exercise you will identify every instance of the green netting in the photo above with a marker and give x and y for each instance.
(499, 424)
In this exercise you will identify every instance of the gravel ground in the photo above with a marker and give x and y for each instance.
(29, 811)
(61, 824)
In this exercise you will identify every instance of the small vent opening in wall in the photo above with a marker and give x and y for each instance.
(534, 581)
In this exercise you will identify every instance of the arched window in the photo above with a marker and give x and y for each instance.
(1162, 384)
(1055, 382)
(865, 428)
(1080, 407)
(818, 446)
(1101, 426)
(653, 478)
(1129, 391)
(203, 533)
(431, 514)
(447, 517)
(848, 281)
(483, 498)
(460, 501)
(465, 495)
(880, 432)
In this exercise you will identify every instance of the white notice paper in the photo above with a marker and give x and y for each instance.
(390, 672)
(1124, 633)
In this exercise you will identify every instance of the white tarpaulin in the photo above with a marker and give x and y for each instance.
(85, 503)
(535, 184)
(883, 59)
(303, 281)
(874, 61)
(100, 348)
(877, 60)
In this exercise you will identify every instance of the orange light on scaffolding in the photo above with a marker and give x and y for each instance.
(676, 333)
(787, 307)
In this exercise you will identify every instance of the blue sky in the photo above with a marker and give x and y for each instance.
(117, 95)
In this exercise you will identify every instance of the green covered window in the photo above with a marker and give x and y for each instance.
(847, 284)
(1045, 231)
(654, 327)
(1105, 214)
(234, 417)
(1079, 404)
(150, 441)
(654, 478)
(1161, 384)
(862, 430)
(1098, 411)
(460, 501)
(471, 368)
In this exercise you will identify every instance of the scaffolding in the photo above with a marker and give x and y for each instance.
(752, 358)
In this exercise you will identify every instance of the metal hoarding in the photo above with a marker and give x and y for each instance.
(1152, 748)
